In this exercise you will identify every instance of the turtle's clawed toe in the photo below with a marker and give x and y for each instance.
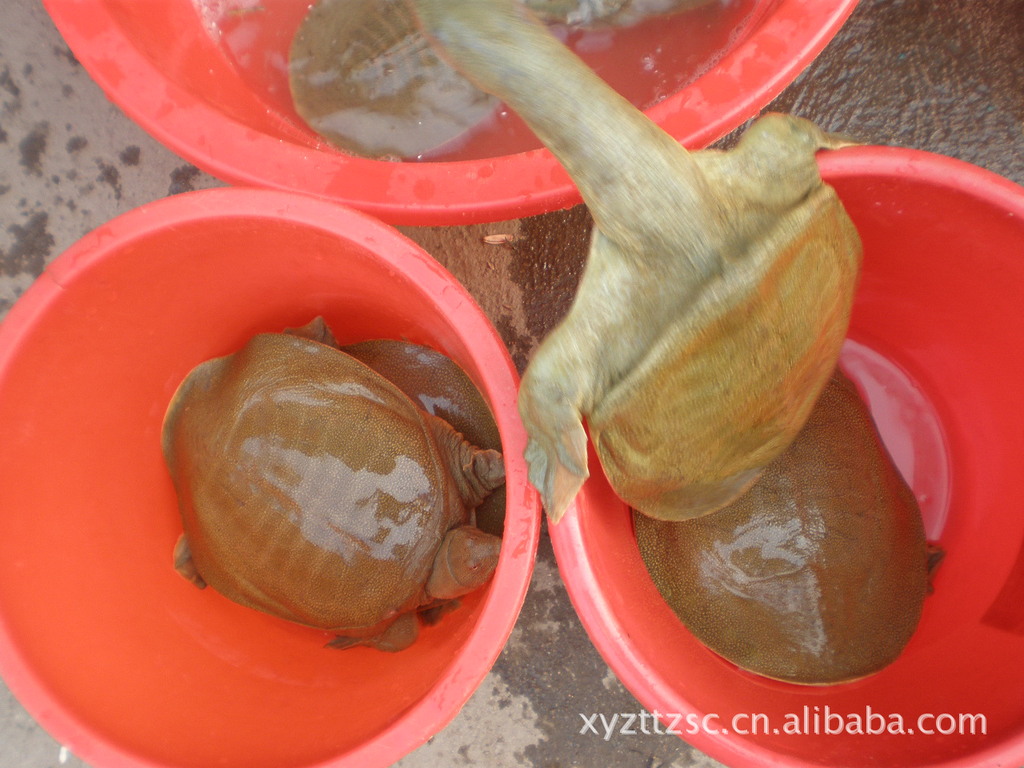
(184, 564)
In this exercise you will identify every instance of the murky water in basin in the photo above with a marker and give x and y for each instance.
(645, 63)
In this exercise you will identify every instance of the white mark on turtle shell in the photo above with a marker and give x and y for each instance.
(345, 510)
(766, 561)
(432, 404)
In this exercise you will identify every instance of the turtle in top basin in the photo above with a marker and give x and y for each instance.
(313, 489)
(363, 76)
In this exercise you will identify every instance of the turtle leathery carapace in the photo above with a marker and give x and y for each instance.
(816, 575)
(312, 488)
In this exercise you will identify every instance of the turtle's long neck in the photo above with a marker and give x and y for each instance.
(615, 155)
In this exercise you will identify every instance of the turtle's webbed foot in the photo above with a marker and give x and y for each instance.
(556, 476)
(557, 447)
(481, 471)
(488, 469)
(476, 471)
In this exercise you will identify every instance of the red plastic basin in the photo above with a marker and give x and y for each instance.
(934, 346)
(156, 60)
(111, 651)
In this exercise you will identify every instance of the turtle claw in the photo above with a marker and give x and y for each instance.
(184, 564)
(315, 330)
(557, 447)
(558, 474)
(842, 141)
(341, 642)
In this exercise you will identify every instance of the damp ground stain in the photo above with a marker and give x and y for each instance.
(33, 147)
(32, 245)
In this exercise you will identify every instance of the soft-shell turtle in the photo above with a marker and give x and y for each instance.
(717, 291)
(440, 387)
(364, 77)
(818, 573)
(312, 488)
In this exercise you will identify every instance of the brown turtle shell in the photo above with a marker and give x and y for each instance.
(310, 487)
(818, 573)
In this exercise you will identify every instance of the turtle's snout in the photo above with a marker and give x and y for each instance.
(477, 557)
(465, 561)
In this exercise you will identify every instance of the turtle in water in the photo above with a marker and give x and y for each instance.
(437, 385)
(363, 76)
(312, 488)
(717, 291)
(440, 387)
(816, 575)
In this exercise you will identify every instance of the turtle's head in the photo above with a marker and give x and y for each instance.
(777, 157)
(783, 134)
(466, 559)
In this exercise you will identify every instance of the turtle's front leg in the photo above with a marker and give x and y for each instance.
(557, 447)
(609, 328)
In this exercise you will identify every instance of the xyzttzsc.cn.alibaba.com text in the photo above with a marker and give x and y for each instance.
(814, 721)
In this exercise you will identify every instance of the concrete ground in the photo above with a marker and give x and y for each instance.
(944, 77)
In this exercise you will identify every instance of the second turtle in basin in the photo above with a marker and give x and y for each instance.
(816, 575)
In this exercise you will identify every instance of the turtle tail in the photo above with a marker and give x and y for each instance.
(476, 471)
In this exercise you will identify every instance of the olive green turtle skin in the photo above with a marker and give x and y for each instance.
(816, 575)
(716, 294)
(312, 488)
(364, 77)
